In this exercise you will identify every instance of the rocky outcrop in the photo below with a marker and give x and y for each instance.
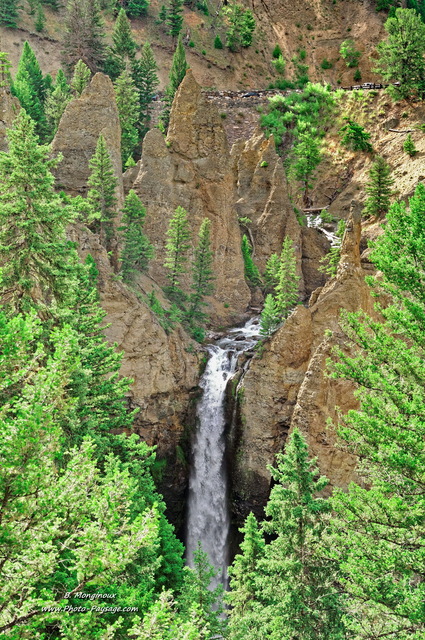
(164, 368)
(193, 169)
(84, 120)
(287, 386)
(9, 108)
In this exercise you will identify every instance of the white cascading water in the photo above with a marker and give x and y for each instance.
(208, 510)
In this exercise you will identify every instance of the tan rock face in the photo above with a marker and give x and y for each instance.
(9, 108)
(193, 169)
(85, 119)
(288, 386)
(164, 369)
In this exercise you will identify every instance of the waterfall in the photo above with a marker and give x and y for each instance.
(208, 510)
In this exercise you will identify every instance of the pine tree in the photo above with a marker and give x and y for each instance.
(136, 8)
(203, 276)
(137, 250)
(146, 81)
(84, 35)
(217, 42)
(307, 158)
(379, 530)
(243, 580)
(252, 273)
(401, 55)
(378, 189)
(177, 248)
(177, 73)
(233, 34)
(9, 13)
(30, 88)
(123, 50)
(163, 13)
(409, 147)
(34, 251)
(175, 17)
(56, 102)
(329, 263)
(81, 78)
(101, 195)
(247, 28)
(355, 137)
(128, 110)
(271, 273)
(287, 287)
(40, 20)
(270, 316)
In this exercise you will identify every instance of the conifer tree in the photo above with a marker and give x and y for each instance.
(39, 268)
(137, 250)
(287, 287)
(84, 35)
(177, 73)
(175, 17)
(355, 137)
(271, 273)
(146, 81)
(162, 13)
(409, 146)
(9, 13)
(379, 531)
(307, 158)
(270, 316)
(247, 28)
(203, 276)
(244, 575)
(30, 88)
(177, 248)
(251, 270)
(56, 102)
(378, 189)
(136, 8)
(40, 20)
(81, 78)
(128, 110)
(101, 195)
(123, 50)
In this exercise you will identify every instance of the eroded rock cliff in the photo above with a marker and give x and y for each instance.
(287, 385)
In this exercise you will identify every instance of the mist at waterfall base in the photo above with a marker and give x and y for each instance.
(208, 520)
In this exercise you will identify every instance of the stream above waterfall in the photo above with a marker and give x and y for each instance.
(208, 520)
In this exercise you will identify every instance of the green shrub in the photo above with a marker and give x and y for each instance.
(326, 64)
(191, 44)
(217, 42)
(277, 51)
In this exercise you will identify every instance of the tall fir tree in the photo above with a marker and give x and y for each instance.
(84, 35)
(9, 13)
(409, 146)
(137, 8)
(203, 275)
(29, 87)
(379, 530)
(307, 157)
(177, 73)
(128, 110)
(270, 316)
(144, 73)
(175, 17)
(177, 248)
(123, 50)
(56, 102)
(379, 189)
(271, 273)
(243, 573)
(252, 273)
(287, 287)
(81, 78)
(101, 195)
(137, 250)
(34, 253)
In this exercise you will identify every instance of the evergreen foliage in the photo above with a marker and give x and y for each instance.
(121, 54)
(270, 317)
(177, 73)
(349, 53)
(137, 250)
(9, 13)
(101, 195)
(241, 27)
(177, 248)
(271, 273)
(252, 273)
(128, 109)
(329, 263)
(175, 17)
(5, 79)
(409, 147)
(203, 276)
(56, 102)
(29, 87)
(286, 588)
(162, 14)
(287, 286)
(355, 137)
(401, 55)
(217, 42)
(144, 73)
(379, 534)
(307, 157)
(135, 8)
(40, 20)
(379, 189)
(80, 78)
(84, 35)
